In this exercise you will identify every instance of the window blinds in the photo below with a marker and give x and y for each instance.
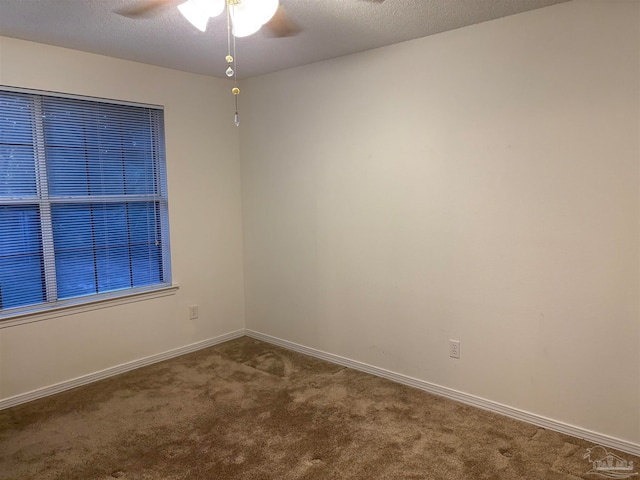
(83, 200)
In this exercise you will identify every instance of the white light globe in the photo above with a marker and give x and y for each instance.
(249, 15)
(198, 12)
(244, 29)
(261, 10)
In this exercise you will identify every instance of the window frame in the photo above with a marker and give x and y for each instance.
(52, 307)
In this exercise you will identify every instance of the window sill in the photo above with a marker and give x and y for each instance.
(97, 304)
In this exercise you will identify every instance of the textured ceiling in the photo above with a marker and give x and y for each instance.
(331, 28)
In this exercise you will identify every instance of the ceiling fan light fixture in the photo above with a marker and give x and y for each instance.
(198, 12)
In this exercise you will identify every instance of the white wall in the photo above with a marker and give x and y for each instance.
(480, 185)
(205, 221)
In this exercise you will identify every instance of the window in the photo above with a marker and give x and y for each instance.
(83, 200)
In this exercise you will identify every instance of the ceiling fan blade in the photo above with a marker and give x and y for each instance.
(146, 8)
(281, 25)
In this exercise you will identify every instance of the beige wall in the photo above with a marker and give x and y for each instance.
(480, 185)
(205, 216)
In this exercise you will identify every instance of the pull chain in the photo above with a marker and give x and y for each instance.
(236, 90)
(231, 72)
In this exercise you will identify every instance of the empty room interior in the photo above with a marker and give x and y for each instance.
(474, 188)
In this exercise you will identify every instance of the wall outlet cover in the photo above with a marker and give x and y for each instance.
(454, 348)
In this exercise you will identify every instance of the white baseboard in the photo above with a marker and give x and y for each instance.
(550, 424)
(532, 418)
(118, 369)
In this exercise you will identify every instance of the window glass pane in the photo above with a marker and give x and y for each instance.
(112, 246)
(17, 165)
(17, 171)
(67, 170)
(99, 149)
(106, 172)
(21, 268)
(75, 271)
(74, 250)
(146, 255)
(114, 268)
(111, 120)
(146, 263)
(139, 136)
(72, 227)
(90, 171)
(15, 119)
(67, 123)
(105, 247)
(140, 175)
(110, 224)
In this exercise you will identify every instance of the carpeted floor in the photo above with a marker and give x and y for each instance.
(248, 410)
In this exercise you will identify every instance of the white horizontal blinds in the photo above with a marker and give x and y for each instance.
(157, 132)
(22, 280)
(100, 177)
(104, 181)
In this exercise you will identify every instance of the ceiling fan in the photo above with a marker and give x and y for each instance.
(244, 18)
(247, 16)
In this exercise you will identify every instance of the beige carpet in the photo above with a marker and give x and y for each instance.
(248, 410)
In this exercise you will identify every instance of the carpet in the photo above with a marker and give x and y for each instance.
(249, 410)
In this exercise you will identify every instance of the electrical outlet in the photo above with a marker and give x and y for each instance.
(454, 348)
(193, 312)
